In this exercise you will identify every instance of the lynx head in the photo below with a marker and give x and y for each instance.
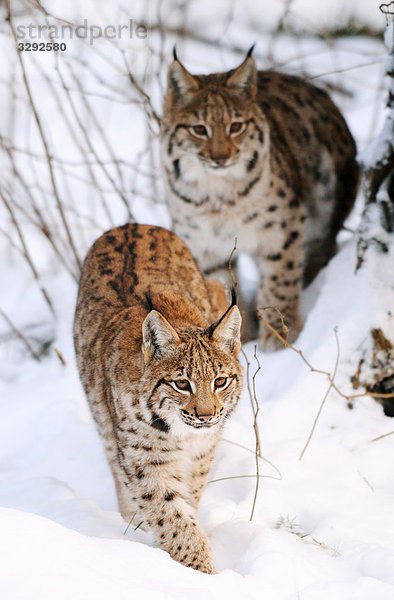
(213, 121)
(192, 378)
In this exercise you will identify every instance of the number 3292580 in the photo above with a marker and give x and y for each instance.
(42, 47)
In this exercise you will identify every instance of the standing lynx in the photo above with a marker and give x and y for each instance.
(157, 351)
(265, 158)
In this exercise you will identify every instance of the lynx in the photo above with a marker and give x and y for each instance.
(263, 157)
(157, 352)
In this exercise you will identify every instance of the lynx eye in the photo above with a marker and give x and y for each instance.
(236, 127)
(200, 130)
(182, 385)
(220, 382)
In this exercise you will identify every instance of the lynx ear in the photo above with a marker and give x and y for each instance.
(227, 331)
(180, 83)
(158, 337)
(244, 78)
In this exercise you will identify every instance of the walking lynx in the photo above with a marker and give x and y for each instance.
(265, 158)
(157, 351)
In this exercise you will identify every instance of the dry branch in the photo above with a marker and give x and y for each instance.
(20, 335)
(324, 399)
(380, 437)
(26, 253)
(256, 409)
(44, 141)
(286, 344)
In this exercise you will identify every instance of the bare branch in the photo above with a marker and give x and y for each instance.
(43, 139)
(380, 437)
(20, 335)
(324, 399)
(256, 433)
(26, 253)
(313, 369)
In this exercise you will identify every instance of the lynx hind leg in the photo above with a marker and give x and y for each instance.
(318, 252)
(105, 429)
(279, 289)
(127, 508)
(331, 207)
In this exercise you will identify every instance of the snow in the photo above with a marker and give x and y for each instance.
(322, 527)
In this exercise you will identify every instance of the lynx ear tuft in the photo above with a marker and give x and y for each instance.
(158, 337)
(174, 52)
(244, 78)
(249, 52)
(227, 331)
(181, 85)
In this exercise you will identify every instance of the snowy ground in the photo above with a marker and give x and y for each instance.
(323, 526)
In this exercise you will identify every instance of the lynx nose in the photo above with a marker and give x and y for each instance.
(204, 418)
(220, 160)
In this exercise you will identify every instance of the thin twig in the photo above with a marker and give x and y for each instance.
(256, 433)
(244, 477)
(255, 409)
(20, 335)
(230, 267)
(44, 141)
(254, 453)
(26, 253)
(41, 224)
(150, 111)
(365, 480)
(252, 394)
(129, 523)
(60, 357)
(90, 144)
(252, 399)
(324, 399)
(380, 437)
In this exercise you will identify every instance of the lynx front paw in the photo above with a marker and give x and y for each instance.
(192, 549)
(206, 566)
(201, 562)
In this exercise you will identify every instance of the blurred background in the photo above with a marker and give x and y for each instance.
(79, 127)
(81, 93)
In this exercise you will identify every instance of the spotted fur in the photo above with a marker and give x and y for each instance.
(157, 351)
(263, 157)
